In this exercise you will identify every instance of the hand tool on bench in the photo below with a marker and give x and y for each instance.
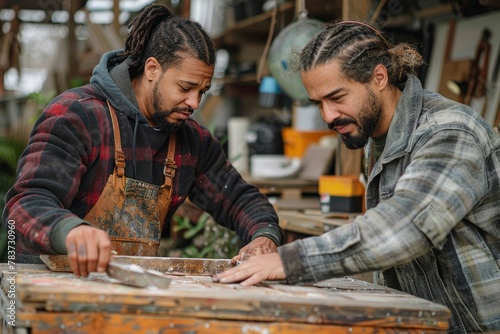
(125, 273)
(145, 271)
(135, 275)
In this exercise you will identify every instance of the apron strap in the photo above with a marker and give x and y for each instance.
(170, 166)
(119, 155)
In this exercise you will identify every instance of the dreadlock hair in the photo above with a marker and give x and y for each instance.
(358, 48)
(157, 33)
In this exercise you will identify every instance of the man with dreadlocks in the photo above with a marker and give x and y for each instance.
(433, 191)
(108, 163)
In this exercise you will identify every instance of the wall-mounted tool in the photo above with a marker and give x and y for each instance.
(471, 82)
(453, 70)
(491, 88)
(477, 85)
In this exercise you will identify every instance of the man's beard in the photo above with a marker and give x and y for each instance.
(370, 117)
(160, 115)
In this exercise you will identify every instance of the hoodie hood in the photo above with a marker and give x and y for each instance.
(112, 79)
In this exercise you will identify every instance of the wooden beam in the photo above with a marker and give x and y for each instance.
(355, 10)
(43, 5)
(185, 9)
(426, 13)
(9, 48)
(116, 15)
(72, 53)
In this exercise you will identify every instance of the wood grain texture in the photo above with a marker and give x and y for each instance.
(313, 224)
(47, 300)
(111, 323)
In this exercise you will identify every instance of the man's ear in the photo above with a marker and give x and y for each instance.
(151, 68)
(380, 77)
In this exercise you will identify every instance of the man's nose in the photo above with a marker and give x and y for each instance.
(193, 100)
(329, 113)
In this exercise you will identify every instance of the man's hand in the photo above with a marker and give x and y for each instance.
(258, 246)
(257, 269)
(89, 250)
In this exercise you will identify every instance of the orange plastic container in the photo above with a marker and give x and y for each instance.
(344, 185)
(297, 142)
(341, 193)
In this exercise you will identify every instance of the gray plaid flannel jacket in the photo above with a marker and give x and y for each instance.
(432, 224)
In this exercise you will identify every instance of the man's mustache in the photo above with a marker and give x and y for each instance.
(339, 122)
(182, 109)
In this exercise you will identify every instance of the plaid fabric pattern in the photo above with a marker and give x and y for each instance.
(71, 154)
(433, 219)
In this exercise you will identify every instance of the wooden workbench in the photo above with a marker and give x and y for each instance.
(50, 302)
(289, 194)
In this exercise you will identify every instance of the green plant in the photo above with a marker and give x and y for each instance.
(41, 100)
(201, 236)
(207, 239)
(12, 146)
(11, 149)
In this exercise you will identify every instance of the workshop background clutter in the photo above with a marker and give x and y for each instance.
(257, 106)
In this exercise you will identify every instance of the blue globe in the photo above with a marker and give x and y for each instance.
(284, 56)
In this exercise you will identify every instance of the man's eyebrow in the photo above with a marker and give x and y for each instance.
(334, 92)
(330, 94)
(194, 84)
(188, 82)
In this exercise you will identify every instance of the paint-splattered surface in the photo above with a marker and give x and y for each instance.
(42, 294)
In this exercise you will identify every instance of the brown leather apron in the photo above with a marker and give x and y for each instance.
(133, 212)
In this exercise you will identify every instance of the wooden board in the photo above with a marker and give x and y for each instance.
(313, 223)
(48, 300)
(316, 161)
(113, 323)
(168, 265)
(267, 186)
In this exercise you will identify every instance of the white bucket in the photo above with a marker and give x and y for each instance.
(210, 14)
(308, 118)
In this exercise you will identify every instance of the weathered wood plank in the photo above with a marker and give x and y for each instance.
(313, 224)
(53, 323)
(198, 297)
